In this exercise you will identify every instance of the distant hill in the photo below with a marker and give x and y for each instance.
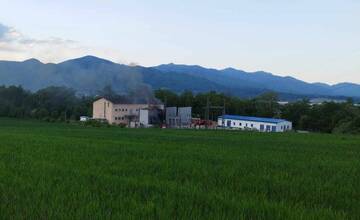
(90, 74)
(233, 78)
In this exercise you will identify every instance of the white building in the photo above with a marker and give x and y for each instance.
(84, 118)
(254, 123)
(320, 101)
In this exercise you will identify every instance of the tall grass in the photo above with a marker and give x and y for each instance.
(65, 171)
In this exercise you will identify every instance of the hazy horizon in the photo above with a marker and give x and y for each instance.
(311, 41)
(276, 74)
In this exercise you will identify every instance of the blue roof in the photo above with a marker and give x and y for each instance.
(254, 119)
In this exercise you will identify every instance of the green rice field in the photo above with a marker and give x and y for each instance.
(68, 171)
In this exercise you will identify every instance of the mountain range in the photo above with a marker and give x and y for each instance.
(90, 74)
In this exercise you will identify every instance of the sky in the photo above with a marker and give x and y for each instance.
(315, 41)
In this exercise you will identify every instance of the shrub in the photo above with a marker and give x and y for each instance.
(95, 123)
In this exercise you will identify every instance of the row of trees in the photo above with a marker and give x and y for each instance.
(60, 103)
(328, 117)
(52, 103)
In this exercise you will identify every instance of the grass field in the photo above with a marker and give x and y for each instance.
(64, 171)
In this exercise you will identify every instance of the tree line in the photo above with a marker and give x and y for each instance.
(328, 117)
(64, 104)
(52, 103)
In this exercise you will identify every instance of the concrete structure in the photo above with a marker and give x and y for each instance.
(171, 117)
(254, 123)
(185, 116)
(115, 112)
(150, 117)
(178, 117)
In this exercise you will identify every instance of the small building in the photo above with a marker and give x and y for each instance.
(84, 118)
(283, 102)
(254, 123)
(117, 112)
(178, 117)
(320, 101)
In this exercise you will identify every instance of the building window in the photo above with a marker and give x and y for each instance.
(273, 128)
(252, 125)
(262, 127)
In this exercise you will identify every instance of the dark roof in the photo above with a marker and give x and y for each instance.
(254, 119)
(127, 100)
(116, 100)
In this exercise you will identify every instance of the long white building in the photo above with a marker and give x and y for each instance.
(254, 123)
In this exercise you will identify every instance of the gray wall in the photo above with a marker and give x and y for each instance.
(185, 115)
(178, 117)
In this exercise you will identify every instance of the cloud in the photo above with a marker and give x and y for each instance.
(9, 34)
(14, 45)
(3, 31)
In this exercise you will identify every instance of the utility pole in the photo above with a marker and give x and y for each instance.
(165, 105)
(224, 113)
(224, 109)
(65, 116)
(210, 107)
(207, 112)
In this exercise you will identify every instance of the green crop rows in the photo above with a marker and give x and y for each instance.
(67, 171)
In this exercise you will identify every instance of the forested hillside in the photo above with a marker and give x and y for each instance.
(88, 75)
